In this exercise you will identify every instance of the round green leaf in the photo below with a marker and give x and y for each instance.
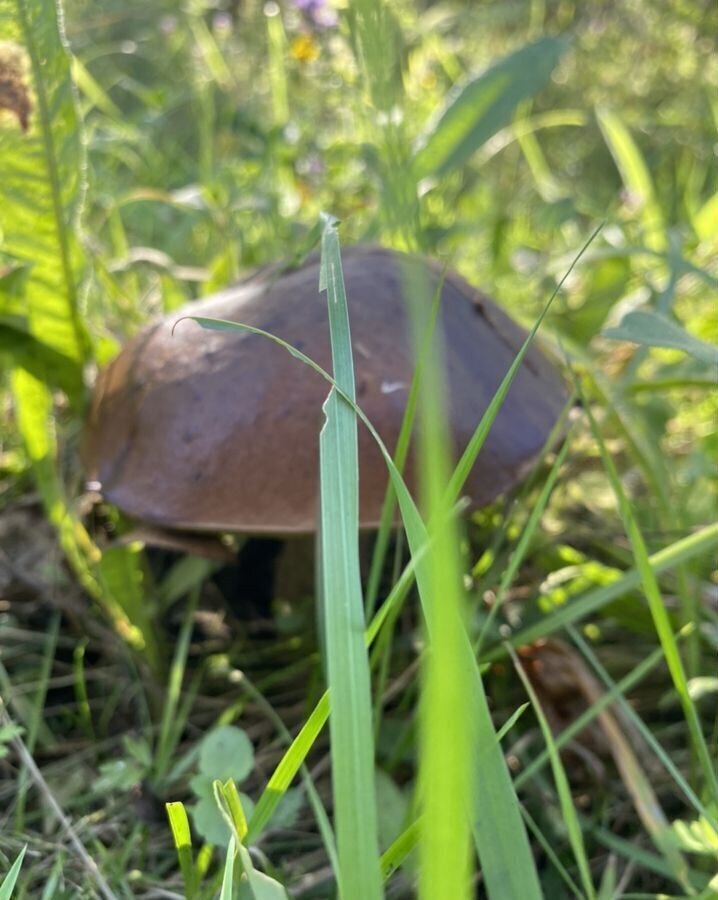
(226, 753)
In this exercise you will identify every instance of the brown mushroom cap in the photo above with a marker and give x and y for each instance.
(218, 431)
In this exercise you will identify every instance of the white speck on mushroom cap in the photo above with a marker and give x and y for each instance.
(391, 387)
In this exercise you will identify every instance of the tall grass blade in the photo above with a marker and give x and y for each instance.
(445, 758)
(350, 722)
(400, 452)
(277, 56)
(371, 27)
(315, 801)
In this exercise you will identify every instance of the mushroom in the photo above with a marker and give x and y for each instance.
(218, 431)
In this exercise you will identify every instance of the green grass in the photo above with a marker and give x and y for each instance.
(179, 148)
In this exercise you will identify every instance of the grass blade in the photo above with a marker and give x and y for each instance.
(551, 854)
(400, 849)
(636, 176)
(445, 759)
(287, 768)
(227, 889)
(8, 884)
(172, 724)
(315, 801)
(350, 722)
(401, 451)
(179, 824)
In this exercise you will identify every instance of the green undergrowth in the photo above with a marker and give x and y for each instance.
(517, 703)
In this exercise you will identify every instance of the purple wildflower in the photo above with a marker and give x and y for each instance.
(318, 12)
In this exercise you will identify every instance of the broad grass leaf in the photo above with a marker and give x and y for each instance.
(43, 166)
(477, 109)
(41, 193)
(257, 885)
(651, 329)
(25, 351)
